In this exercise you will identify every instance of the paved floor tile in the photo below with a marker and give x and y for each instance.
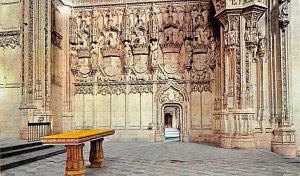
(173, 158)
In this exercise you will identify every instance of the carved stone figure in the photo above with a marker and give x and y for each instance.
(169, 36)
(189, 52)
(127, 54)
(74, 61)
(154, 52)
(94, 57)
(111, 41)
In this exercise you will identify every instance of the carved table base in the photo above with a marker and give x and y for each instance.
(96, 154)
(75, 162)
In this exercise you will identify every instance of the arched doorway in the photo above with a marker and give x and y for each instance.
(168, 120)
(172, 122)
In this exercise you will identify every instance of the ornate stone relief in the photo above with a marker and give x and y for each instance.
(114, 42)
(10, 39)
(141, 89)
(140, 45)
(111, 89)
(284, 21)
(171, 95)
(84, 89)
(203, 87)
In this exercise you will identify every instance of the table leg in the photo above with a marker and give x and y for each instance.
(96, 154)
(75, 162)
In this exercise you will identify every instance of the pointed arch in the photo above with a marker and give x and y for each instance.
(172, 92)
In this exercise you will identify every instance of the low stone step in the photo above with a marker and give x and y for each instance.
(171, 133)
(11, 153)
(20, 146)
(14, 161)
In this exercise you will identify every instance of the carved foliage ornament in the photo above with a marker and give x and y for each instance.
(141, 89)
(10, 39)
(203, 87)
(111, 89)
(171, 95)
(84, 89)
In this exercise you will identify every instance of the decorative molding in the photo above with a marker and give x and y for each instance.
(104, 3)
(30, 49)
(10, 39)
(47, 60)
(204, 87)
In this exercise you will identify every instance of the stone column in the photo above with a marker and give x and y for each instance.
(284, 136)
(240, 41)
(36, 79)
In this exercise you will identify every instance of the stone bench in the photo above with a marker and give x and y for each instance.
(74, 142)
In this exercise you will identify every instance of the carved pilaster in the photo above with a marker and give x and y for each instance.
(284, 136)
(283, 22)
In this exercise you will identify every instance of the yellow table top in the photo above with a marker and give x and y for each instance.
(76, 137)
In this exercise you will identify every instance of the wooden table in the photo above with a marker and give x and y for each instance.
(74, 142)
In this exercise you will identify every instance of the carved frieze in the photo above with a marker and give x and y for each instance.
(131, 44)
(111, 89)
(201, 87)
(10, 39)
(148, 88)
(84, 89)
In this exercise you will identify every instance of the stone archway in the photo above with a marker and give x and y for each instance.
(173, 121)
(172, 99)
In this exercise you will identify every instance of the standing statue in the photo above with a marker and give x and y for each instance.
(154, 52)
(127, 54)
(189, 51)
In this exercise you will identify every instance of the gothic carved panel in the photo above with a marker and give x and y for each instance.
(141, 89)
(111, 42)
(111, 89)
(10, 39)
(84, 89)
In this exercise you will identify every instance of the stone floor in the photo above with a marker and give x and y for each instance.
(170, 158)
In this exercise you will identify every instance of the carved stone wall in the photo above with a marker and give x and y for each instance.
(226, 69)
(10, 64)
(125, 55)
(293, 68)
